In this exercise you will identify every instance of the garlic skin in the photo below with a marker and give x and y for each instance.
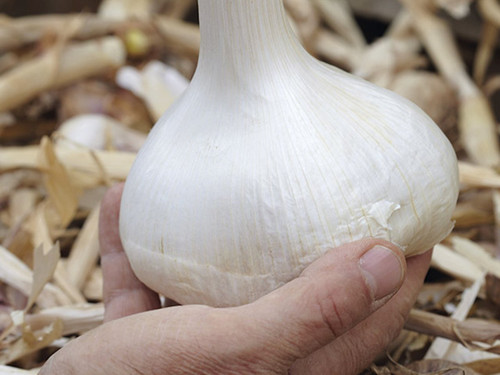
(269, 159)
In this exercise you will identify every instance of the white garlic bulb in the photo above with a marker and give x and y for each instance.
(269, 159)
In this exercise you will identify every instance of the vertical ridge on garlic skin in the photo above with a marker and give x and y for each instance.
(269, 159)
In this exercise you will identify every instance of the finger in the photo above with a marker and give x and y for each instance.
(123, 293)
(329, 298)
(355, 350)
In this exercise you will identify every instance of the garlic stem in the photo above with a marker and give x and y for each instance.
(241, 57)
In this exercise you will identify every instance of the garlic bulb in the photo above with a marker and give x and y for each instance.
(269, 159)
(99, 132)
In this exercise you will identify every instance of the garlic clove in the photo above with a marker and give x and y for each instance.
(269, 159)
(99, 132)
(157, 84)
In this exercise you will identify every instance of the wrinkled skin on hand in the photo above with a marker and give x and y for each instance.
(333, 319)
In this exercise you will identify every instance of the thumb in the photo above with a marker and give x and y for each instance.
(330, 297)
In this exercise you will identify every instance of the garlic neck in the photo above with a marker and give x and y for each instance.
(244, 42)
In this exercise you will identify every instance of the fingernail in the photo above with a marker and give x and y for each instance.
(383, 271)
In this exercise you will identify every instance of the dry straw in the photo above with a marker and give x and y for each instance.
(50, 275)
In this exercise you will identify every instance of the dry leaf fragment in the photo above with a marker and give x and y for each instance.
(490, 366)
(45, 264)
(31, 341)
(61, 190)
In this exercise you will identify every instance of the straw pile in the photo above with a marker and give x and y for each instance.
(79, 92)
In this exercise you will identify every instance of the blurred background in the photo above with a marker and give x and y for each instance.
(17, 8)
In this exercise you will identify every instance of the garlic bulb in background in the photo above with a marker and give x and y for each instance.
(157, 84)
(269, 159)
(99, 132)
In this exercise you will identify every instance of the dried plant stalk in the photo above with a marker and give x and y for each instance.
(85, 251)
(476, 254)
(7, 61)
(15, 33)
(467, 215)
(477, 176)
(443, 348)
(75, 318)
(59, 68)
(21, 203)
(477, 127)
(335, 49)
(306, 19)
(490, 10)
(85, 167)
(181, 36)
(492, 85)
(456, 265)
(15, 273)
(179, 8)
(338, 15)
(466, 332)
(485, 50)
(402, 26)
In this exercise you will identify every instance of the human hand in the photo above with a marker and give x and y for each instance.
(334, 318)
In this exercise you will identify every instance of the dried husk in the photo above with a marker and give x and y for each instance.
(61, 67)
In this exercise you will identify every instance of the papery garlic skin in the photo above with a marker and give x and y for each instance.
(269, 159)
